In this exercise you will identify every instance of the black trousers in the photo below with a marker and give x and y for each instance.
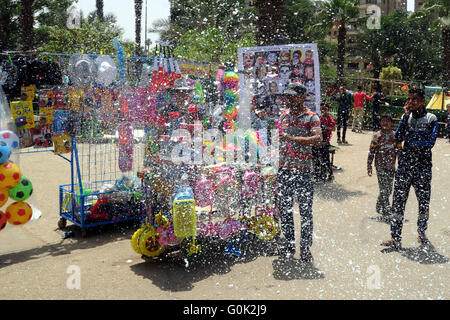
(322, 164)
(421, 182)
(342, 119)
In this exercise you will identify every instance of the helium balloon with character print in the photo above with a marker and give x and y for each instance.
(21, 191)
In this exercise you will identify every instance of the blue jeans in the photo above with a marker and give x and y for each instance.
(291, 183)
(421, 182)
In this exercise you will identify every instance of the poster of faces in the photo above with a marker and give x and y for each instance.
(269, 69)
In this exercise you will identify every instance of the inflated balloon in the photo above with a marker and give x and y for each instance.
(3, 197)
(230, 125)
(5, 151)
(3, 220)
(230, 80)
(230, 113)
(230, 97)
(21, 191)
(19, 213)
(9, 175)
(10, 138)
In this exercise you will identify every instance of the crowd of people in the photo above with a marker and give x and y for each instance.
(309, 136)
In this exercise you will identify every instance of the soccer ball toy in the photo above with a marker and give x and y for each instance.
(10, 138)
(5, 151)
(19, 213)
(3, 197)
(21, 191)
(9, 175)
(3, 220)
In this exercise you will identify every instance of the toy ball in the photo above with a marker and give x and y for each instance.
(5, 151)
(3, 197)
(19, 213)
(21, 191)
(10, 138)
(230, 80)
(9, 175)
(230, 113)
(3, 220)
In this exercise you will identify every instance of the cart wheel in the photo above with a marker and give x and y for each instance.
(148, 243)
(62, 223)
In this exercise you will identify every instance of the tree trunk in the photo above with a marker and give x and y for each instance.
(100, 14)
(271, 23)
(138, 12)
(446, 55)
(342, 35)
(27, 23)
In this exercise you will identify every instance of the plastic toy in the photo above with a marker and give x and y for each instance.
(3, 197)
(21, 191)
(184, 215)
(5, 151)
(9, 175)
(10, 138)
(19, 213)
(126, 145)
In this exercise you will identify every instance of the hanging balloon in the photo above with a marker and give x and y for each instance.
(230, 80)
(19, 213)
(3, 220)
(229, 126)
(21, 191)
(10, 138)
(230, 113)
(230, 97)
(5, 151)
(3, 197)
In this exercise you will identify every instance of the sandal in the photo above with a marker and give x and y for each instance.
(392, 244)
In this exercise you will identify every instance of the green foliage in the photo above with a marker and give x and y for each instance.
(92, 37)
(391, 73)
(211, 45)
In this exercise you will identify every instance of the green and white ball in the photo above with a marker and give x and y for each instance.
(22, 191)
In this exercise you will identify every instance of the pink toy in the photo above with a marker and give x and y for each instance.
(203, 192)
(250, 183)
(126, 146)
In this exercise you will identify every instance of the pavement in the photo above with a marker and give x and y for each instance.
(349, 263)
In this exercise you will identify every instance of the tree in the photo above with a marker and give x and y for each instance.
(9, 24)
(391, 73)
(138, 12)
(27, 24)
(92, 37)
(271, 22)
(339, 13)
(211, 45)
(442, 9)
(99, 7)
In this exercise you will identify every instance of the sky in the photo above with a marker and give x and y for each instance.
(156, 9)
(124, 11)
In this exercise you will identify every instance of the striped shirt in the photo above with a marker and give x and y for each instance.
(301, 126)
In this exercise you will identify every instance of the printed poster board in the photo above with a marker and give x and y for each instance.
(267, 70)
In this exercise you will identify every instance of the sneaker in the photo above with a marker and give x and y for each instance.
(345, 142)
(305, 254)
(339, 141)
(393, 244)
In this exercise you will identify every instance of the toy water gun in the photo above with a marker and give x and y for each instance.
(287, 143)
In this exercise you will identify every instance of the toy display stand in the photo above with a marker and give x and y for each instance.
(241, 209)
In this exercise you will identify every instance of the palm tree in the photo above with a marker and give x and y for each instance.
(271, 23)
(340, 13)
(99, 6)
(138, 12)
(27, 22)
(442, 9)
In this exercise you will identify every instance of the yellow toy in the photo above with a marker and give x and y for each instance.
(148, 243)
(9, 175)
(19, 213)
(3, 197)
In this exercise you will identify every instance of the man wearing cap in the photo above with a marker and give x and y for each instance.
(300, 132)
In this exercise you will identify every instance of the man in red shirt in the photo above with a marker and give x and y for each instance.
(358, 109)
(301, 131)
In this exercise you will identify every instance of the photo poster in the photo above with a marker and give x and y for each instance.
(269, 69)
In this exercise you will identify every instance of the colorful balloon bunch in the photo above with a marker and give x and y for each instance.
(13, 185)
(230, 83)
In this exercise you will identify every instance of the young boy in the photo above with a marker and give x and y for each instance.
(323, 170)
(384, 149)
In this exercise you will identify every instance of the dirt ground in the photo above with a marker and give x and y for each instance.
(349, 263)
